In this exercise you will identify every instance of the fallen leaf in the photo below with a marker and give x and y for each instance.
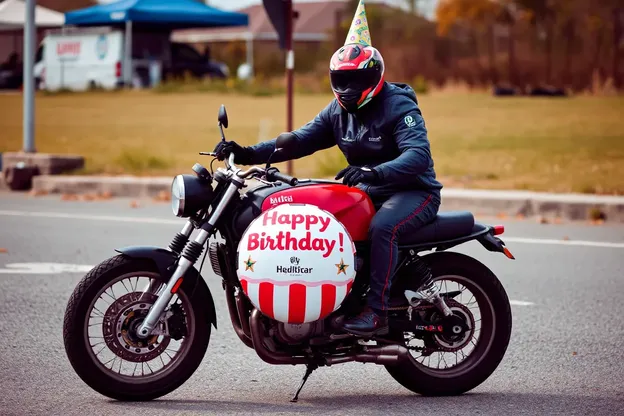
(163, 196)
(105, 195)
(38, 192)
(520, 217)
(501, 215)
(3, 250)
(574, 353)
(543, 220)
(88, 197)
(69, 197)
(134, 204)
(558, 220)
(565, 238)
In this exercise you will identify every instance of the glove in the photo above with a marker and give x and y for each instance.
(354, 175)
(242, 155)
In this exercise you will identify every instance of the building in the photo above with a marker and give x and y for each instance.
(314, 25)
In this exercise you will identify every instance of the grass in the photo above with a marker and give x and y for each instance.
(560, 145)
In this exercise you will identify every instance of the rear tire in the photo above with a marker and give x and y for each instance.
(420, 379)
(92, 373)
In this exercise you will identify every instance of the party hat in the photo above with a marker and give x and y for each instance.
(359, 33)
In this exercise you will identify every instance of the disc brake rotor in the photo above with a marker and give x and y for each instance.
(458, 337)
(119, 326)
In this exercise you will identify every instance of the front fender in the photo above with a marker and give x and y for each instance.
(165, 261)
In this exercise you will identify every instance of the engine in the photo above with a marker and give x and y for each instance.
(297, 333)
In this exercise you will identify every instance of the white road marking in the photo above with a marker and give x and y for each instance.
(521, 303)
(147, 220)
(521, 240)
(152, 220)
(58, 268)
(44, 268)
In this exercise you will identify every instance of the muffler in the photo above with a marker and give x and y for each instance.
(384, 355)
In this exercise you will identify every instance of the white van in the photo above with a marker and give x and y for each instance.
(79, 61)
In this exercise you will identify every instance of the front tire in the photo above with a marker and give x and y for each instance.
(82, 355)
(491, 345)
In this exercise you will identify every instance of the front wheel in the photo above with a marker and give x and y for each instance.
(101, 319)
(440, 365)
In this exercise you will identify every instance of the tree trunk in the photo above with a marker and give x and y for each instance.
(492, 54)
(617, 35)
(568, 33)
(477, 56)
(549, 50)
(511, 55)
(594, 65)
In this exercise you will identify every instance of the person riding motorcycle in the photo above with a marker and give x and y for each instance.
(380, 129)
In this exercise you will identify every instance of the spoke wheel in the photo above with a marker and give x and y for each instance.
(102, 317)
(114, 317)
(457, 361)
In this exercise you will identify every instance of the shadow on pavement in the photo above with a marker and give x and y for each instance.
(470, 403)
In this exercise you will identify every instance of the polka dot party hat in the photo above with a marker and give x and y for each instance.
(359, 33)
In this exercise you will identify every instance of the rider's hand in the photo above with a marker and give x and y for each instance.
(354, 175)
(242, 155)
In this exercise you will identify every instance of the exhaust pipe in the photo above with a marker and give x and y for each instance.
(263, 352)
(385, 355)
(237, 316)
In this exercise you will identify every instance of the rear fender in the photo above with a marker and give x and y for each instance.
(165, 261)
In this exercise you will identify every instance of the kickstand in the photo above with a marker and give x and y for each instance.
(309, 369)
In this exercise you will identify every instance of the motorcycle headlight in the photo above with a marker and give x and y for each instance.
(189, 194)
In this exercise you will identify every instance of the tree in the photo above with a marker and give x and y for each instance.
(479, 17)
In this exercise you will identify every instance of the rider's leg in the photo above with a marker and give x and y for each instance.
(403, 213)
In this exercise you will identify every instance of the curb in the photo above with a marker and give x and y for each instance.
(480, 202)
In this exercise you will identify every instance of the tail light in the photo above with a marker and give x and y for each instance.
(118, 69)
(499, 229)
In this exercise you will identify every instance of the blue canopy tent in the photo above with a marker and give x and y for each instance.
(174, 14)
(153, 14)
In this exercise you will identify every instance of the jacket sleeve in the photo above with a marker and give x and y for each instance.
(314, 136)
(410, 134)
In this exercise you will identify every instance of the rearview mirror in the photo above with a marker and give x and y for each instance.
(223, 118)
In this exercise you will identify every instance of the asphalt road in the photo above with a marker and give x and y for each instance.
(565, 355)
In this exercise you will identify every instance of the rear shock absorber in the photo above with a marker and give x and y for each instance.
(427, 290)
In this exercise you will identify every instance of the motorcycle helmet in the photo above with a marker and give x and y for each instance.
(356, 75)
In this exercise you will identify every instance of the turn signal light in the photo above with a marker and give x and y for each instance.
(499, 229)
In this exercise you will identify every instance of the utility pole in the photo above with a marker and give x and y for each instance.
(290, 69)
(28, 76)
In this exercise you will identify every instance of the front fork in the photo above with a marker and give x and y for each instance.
(189, 256)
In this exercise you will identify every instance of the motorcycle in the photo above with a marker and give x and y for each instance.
(138, 325)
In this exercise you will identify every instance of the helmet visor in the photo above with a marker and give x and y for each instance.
(354, 80)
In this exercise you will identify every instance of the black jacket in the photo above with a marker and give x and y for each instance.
(388, 135)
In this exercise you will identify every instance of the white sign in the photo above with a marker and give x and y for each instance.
(296, 263)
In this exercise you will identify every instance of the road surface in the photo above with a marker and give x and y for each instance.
(565, 356)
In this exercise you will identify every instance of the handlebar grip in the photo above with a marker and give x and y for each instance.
(274, 174)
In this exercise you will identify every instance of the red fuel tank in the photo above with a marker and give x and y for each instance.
(351, 206)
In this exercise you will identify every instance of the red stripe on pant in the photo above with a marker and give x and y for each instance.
(296, 303)
(394, 231)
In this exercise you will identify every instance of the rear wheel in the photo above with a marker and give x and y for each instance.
(440, 365)
(99, 331)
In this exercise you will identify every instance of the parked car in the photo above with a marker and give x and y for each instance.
(86, 59)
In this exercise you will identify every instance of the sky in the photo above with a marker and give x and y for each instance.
(428, 6)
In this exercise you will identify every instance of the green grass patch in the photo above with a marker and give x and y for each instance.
(562, 145)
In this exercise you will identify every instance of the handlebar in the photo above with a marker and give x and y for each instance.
(273, 174)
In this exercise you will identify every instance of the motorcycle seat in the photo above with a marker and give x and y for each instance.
(446, 226)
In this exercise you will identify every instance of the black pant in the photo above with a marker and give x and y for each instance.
(401, 214)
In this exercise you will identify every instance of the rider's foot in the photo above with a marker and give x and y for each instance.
(367, 323)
